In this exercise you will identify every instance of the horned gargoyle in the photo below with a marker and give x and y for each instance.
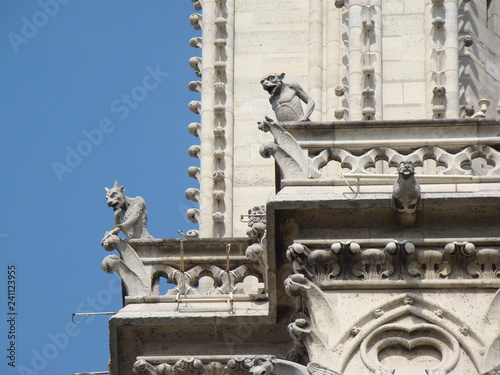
(130, 215)
(130, 218)
(286, 98)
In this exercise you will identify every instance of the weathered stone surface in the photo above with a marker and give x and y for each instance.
(330, 278)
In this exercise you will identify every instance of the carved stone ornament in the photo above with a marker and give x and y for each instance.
(406, 194)
(273, 366)
(404, 323)
(256, 232)
(398, 260)
(318, 265)
(194, 366)
(130, 215)
(447, 163)
(293, 162)
(142, 280)
(286, 98)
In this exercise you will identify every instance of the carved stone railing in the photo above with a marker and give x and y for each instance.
(334, 151)
(398, 264)
(194, 267)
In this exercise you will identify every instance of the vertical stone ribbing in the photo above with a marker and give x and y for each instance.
(451, 63)
(229, 133)
(376, 53)
(207, 160)
(316, 56)
(355, 55)
(333, 75)
(442, 73)
(430, 60)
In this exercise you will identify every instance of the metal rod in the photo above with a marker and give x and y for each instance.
(86, 315)
(198, 298)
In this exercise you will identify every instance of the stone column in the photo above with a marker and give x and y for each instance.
(451, 52)
(376, 53)
(229, 133)
(333, 59)
(207, 161)
(355, 55)
(316, 57)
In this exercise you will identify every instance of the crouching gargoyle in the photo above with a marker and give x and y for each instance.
(286, 99)
(406, 194)
(130, 215)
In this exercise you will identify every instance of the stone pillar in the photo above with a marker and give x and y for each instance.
(316, 57)
(333, 59)
(229, 133)
(207, 161)
(451, 52)
(355, 55)
(376, 58)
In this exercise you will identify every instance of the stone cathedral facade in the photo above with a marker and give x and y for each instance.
(347, 170)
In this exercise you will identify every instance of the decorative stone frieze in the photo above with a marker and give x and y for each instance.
(194, 366)
(397, 261)
(300, 157)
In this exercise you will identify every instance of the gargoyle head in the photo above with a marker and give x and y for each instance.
(272, 81)
(115, 197)
(262, 366)
(406, 169)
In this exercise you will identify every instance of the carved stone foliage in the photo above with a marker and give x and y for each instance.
(194, 366)
(398, 260)
(257, 224)
(257, 227)
(262, 365)
(143, 279)
(318, 265)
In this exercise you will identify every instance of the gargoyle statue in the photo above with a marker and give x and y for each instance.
(286, 99)
(273, 366)
(406, 194)
(130, 214)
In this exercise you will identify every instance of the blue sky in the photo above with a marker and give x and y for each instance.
(91, 91)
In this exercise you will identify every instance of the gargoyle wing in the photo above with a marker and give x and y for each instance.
(317, 369)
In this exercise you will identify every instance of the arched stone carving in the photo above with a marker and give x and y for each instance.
(447, 334)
